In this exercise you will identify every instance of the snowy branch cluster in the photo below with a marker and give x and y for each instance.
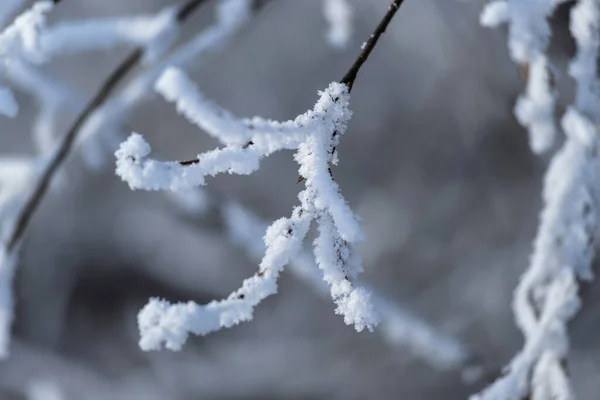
(546, 297)
(314, 135)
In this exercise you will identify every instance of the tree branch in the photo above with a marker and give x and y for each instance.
(370, 44)
(350, 76)
(66, 144)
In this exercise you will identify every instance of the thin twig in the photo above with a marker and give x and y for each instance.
(66, 144)
(370, 44)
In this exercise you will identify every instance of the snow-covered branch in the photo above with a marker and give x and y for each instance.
(546, 297)
(529, 37)
(314, 135)
(247, 141)
(399, 327)
(321, 201)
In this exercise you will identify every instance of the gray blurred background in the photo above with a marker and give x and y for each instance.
(433, 161)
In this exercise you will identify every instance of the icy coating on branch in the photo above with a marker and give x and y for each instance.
(161, 322)
(529, 36)
(546, 297)
(218, 122)
(247, 141)
(315, 135)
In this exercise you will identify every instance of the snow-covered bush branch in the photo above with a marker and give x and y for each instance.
(546, 297)
(315, 136)
(312, 135)
(529, 38)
